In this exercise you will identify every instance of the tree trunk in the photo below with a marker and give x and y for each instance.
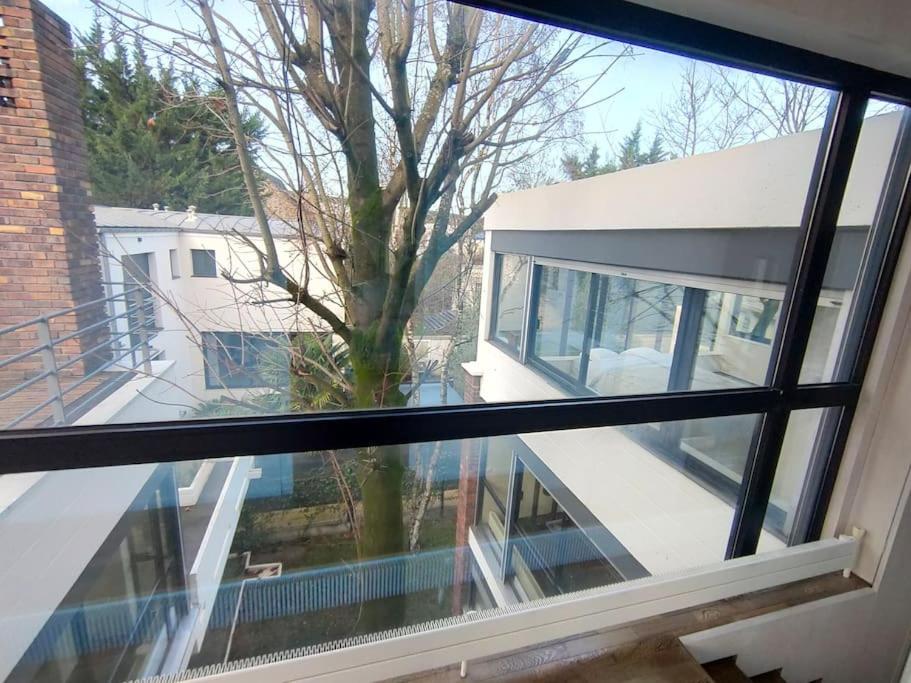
(382, 476)
(384, 528)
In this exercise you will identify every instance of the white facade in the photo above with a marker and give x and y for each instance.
(188, 305)
(667, 518)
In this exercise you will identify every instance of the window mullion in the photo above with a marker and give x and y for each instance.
(827, 187)
(686, 344)
(594, 284)
(531, 320)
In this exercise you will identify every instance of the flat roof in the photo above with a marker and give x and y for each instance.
(759, 185)
(118, 217)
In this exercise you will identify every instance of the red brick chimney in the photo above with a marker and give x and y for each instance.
(48, 243)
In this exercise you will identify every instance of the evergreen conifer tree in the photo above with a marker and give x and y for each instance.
(156, 136)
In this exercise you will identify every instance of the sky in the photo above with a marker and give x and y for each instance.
(643, 81)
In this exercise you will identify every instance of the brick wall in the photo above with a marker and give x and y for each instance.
(48, 243)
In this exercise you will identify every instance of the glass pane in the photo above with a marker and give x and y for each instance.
(204, 264)
(235, 360)
(635, 179)
(806, 445)
(250, 556)
(735, 340)
(561, 319)
(721, 446)
(871, 198)
(633, 336)
(510, 311)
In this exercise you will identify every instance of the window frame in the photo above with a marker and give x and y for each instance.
(193, 272)
(174, 261)
(68, 447)
(564, 380)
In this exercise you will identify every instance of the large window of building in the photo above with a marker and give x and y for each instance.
(242, 360)
(612, 335)
(562, 302)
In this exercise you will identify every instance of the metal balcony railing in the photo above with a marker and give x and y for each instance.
(127, 329)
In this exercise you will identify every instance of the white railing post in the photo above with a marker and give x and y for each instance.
(49, 362)
(139, 302)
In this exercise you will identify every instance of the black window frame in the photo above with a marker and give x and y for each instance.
(854, 85)
(210, 256)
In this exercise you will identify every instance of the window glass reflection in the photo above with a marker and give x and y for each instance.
(510, 299)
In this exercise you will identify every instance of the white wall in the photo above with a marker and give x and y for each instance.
(206, 573)
(759, 185)
(808, 642)
(143, 398)
(877, 459)
(188, 305)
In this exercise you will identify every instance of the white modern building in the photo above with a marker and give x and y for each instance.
(217, 332)
(580, 300)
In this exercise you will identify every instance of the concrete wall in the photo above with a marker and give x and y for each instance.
(144, 398)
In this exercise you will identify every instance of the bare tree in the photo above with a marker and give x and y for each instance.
(696, 118)
(713, 108)
(385, 116)
(773, 106)
(456, 282)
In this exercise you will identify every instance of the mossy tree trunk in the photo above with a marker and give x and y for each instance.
(459, 91)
